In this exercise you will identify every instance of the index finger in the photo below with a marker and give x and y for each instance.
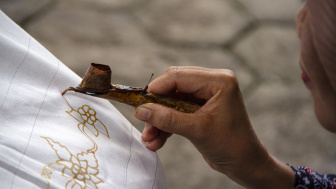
(203, 83)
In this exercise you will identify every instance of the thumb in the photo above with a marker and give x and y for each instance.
(167, 119)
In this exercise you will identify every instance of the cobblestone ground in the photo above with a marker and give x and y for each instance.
(256, 39)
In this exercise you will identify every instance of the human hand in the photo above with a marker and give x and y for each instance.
(220, 129)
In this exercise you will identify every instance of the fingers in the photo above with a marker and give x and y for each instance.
(187, 97)
(154, 137)
(218, 87)
(149, 133)
(159, 141)
(220, 129)
(203, 83)
(168, 120)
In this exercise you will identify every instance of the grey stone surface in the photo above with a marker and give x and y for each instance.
(195, 22)
(105, 5)
(94, 36)
(273, 9)
(283, 117)
(272, 50)
(19, 10)
(140, 37)
(186, 168)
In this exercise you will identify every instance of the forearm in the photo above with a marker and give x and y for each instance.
(256, 168)
(271, 174)
(275, 175)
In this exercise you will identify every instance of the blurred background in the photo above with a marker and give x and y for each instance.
(256, 39)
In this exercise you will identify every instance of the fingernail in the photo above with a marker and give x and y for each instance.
(143, 113)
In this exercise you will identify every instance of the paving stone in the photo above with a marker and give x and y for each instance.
(209, 58)
(312, 145)
(79, 37)
(18, 10)
(191, 171)
(197, 22)
(273, 51)
(88, 26)
(272, 108)
(103, 5)
(274, 9)
(284, 119)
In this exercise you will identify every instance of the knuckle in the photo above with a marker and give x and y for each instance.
(171, 69)
(174, 71)
(228, 79)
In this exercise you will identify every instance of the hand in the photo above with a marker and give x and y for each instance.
(220, 129)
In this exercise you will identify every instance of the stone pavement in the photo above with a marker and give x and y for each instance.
(256, 39)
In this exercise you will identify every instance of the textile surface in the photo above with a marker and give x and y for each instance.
(305, 178)
(52, 141)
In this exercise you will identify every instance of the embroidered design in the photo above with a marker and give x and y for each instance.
(77, 170)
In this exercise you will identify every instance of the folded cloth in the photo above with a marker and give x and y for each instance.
(52, 141)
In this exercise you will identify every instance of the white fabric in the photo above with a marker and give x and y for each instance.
(75, 141)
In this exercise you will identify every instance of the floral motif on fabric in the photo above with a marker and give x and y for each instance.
(77, 170)
(305, 178)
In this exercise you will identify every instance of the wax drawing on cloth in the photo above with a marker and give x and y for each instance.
(77, 170)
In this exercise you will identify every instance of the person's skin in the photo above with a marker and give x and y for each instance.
(316, 25)
(221, 130)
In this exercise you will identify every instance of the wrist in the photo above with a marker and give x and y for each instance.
(272, 174)
(264, 172)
